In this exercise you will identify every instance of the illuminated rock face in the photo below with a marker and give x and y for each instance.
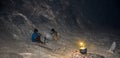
(112, 48)
(26, 55)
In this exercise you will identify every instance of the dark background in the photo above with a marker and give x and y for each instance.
(75, 15)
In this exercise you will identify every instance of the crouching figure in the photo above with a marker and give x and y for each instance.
(36, 36)
(55, 34)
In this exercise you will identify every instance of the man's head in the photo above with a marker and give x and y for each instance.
(35, 30)
(52, 30)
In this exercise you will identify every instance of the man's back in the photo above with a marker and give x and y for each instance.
(34, 36)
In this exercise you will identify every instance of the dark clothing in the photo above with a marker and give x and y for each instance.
(36, 37)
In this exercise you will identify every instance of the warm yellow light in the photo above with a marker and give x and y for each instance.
(83, 48)
(82, 45)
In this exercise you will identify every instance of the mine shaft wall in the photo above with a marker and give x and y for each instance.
(18, 18)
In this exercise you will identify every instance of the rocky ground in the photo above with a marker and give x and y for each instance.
(65, 47)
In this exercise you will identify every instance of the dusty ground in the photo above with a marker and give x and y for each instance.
(63, 48)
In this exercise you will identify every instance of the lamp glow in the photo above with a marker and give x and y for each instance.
(82, 45)
(83, 49)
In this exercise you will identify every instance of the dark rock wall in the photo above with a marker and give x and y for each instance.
(18, 18)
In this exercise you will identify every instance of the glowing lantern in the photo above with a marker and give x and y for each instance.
(83, 49)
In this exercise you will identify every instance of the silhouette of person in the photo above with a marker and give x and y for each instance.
(36, 36)
(54, 33)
